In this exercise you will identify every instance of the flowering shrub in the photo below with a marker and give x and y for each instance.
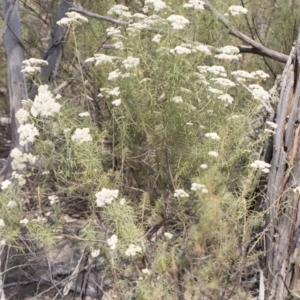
(152, 114)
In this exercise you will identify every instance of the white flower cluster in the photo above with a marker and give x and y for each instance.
(2, 223)
(229, 53)
(81, 135)
(133, 250)
(212, 135)
(113, 32)
(203, 166)
(180, 193)
(259, 74)
(157, 38)
(261, 165)
(157, 5)
(106, 196)
(53, 199)
(177, 21)
(258, 92)
(95, 253)
(114, 75)
(226, 98)
(177, 99)
(216, 70)
(130, 62)
(296, 190)
(237, 10)
(73, 18)
(186, 48)
(84, 114)
(242, 75)
(223, 82)
(22, 115)
(5, 184)
(21, 159)
(33, 65)
(101, 59)
(12, 204)
(112, 242)
(121, 11)
(168, 235)
(44, 103)
(213, 154)
(196, 4)
(110, 92)
(27, 133)
(199, 187)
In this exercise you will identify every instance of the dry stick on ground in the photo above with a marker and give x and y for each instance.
(257, 47)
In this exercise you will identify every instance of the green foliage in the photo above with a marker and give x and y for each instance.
(148, 147)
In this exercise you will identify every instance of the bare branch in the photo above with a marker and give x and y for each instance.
(259, 49)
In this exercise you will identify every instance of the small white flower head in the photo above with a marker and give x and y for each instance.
(203, 166)
(81, 135)
(212, 135)
(112, 242)
(114, 92)
(180, 193)
(114, 75)
(260, 75)
(2, 223)
(215, 91)
(216, 70)
(157, 5)
(11, 204)
(204, 191)
(32, 66)
(177, 99)
(213, 153)
(223, 82)
(95, 253)
(106, 196)
(272, 124)
(5, 184)
(180, 50)
(73, 18)
(232, 50)
(259, 93)
(130, 62)
(27, 133)
(101, 59)
(67, 130)
(119, 45)
(168, 235)
(116, 102)
(22, 116)
(20, 177)
(146, 271)
(122, 201)
(196, 4)
(203, 48)
(297, 190)
(157, 38)
(2, 242)
(84, 114)
(53, 199)
(44, 103)
(242, 75)
(261, 165)
(226, 98)
(197, 186)
(237, 10)
(133, 250)
(177, 21)
(121, 11)
(112, 31)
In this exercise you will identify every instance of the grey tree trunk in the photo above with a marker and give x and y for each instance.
(282, 268)
(55, 48)
(15, 79)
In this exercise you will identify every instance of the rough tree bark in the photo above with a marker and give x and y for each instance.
(15, 78)
(282, 268)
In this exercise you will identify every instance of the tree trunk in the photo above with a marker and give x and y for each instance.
(55, 48)
(282, 268)
(15, 78)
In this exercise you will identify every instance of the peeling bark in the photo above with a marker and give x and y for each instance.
(15, 78)
(282, 268)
